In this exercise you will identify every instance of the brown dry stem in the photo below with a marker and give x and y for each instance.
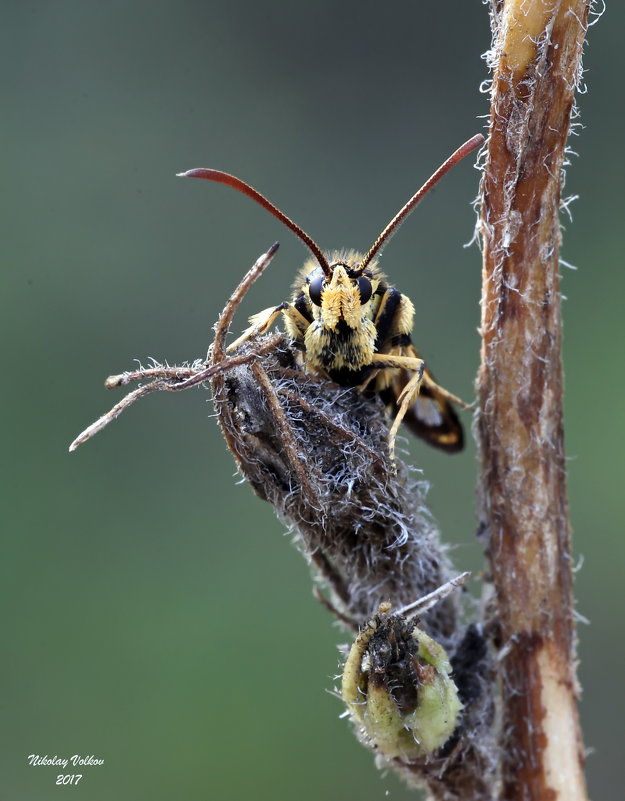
(537, 63)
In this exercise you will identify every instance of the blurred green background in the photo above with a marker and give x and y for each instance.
(155, 615)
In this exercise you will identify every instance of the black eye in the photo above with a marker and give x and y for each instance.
(315, 289)
(364, 287)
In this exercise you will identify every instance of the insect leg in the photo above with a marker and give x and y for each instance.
(371, 377)
(296, 322)
(440, 392)
(405, 400)
(261, 323)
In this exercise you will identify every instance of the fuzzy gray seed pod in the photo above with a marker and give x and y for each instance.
(319, 454)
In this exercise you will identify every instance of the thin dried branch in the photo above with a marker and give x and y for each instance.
(181, 377)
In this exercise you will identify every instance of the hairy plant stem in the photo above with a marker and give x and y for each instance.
(536, 60)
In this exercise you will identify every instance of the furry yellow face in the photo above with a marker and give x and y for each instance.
(339, 298)
(336, 313)
(342, 333)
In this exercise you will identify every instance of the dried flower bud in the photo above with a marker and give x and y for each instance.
(397, 685)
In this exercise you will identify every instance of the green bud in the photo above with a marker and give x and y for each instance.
(398, 688)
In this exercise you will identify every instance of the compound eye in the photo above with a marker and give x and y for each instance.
(365, 289)
(315, 288)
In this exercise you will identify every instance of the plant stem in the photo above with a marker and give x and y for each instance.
(537, 63)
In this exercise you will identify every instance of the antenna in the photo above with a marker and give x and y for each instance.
(401, 215)
(236, 183)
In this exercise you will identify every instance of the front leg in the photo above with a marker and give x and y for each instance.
(297, 318)
(260, 324)
(296, 323)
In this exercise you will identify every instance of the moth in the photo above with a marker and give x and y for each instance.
(354, 327)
